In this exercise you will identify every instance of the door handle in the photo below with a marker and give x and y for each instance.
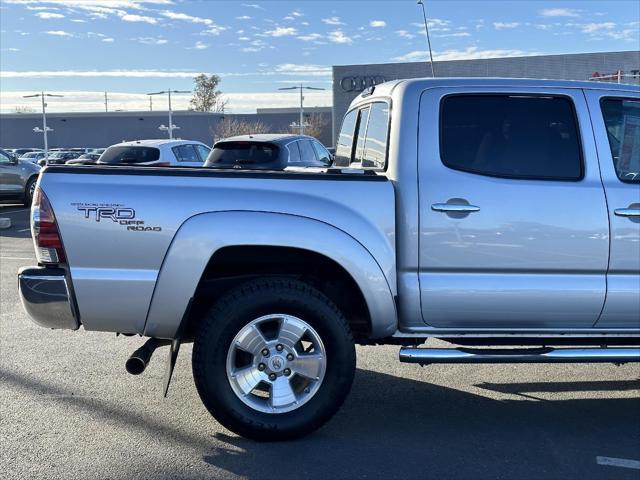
(452, 207)
(627, 212)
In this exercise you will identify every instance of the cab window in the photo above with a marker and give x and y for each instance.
(622, 120)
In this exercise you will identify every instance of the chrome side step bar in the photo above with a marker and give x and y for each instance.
(519, 355)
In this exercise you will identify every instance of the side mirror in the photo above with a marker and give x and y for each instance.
(13, 159)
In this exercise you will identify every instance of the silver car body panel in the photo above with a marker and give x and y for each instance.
(114, 270)
(14, 176)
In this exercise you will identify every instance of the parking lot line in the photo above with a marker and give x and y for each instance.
(24, 230)
(618, 462)
(16, 258)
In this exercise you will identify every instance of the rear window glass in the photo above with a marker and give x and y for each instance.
(513, 136)
(130, 155)
(345, 139)
(241, 153)
(622, 119)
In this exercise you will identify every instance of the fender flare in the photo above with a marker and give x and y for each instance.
(202, 235)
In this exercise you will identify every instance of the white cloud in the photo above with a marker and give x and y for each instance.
(186, 18)
(78, 20)
(59, 33)
(98, 73)
(151, 40)
(244, 17)
(504, 25)
(377, 23)
(339, 37)
(559, 12)
(597, 27)
(213, 30)
(405, 34)
(108, 40)
(457, 34)
(49, 15)
(310, 37)
(332, 21)
(281, 32)
(471, 53)
(93, 101)
(129, 17)
(200, 46)
(252, 5)
(303, 69)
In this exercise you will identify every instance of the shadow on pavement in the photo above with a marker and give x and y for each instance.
(392, 427)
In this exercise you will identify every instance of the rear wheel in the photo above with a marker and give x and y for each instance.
(29, 190)
(274, 359)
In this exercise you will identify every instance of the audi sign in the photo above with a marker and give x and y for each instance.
(360, 83)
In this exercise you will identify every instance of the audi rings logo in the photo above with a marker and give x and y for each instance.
(358, 84)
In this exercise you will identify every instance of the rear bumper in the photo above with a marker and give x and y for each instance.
(46, 297)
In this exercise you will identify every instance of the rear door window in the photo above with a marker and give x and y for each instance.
(203, 151)
(294, 153)
(622, 120)
(130, 154)
(186, 153)
(323, 154)
(363, 119)
(512, 136)
(307, 153)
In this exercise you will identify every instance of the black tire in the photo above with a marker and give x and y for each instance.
(229, 315)
(28, 191)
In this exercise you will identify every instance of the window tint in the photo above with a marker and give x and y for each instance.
(622, 120)
(4, 158)
(227, 154)
(323, 154)
(513, 136)
(129, 155)
(375, 146)
(345, 139)
(294, 153)
(363, 118)
(203, 151)
(186, 153)
(307, 153)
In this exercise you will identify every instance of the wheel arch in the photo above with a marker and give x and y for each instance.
(205, 246)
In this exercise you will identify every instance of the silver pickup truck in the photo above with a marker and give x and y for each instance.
(500, 215)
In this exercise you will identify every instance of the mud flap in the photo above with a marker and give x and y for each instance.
(175, 348)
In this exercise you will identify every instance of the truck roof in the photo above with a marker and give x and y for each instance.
(388, 87)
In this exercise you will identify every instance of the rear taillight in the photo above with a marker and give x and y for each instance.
(44, 229)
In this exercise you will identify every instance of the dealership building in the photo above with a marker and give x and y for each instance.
(98, 129)
(350, 80)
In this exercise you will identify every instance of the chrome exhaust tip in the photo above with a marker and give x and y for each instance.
(138, 361)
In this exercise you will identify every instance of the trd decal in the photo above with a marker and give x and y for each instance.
(118, 213)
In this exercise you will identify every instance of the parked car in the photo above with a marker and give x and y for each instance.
(17, 178)
(157, 153)
(99, 151)
(268, 152)
(84, 159)
(18, 152)
(33, 156)
(483, 212)
(59, 157)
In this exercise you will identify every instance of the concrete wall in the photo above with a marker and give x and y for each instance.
(101, 129)
(564, 67)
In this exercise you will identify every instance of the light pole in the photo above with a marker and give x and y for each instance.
(301, 87)
(44, 128)
(426, 28)
(171, 126)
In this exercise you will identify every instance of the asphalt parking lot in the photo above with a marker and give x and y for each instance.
(69, 410)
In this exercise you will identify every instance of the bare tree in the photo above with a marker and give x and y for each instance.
(230, 127)
(315, 125)
(206, 96)
(23, 109)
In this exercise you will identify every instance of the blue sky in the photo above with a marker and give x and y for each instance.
(129, 47)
